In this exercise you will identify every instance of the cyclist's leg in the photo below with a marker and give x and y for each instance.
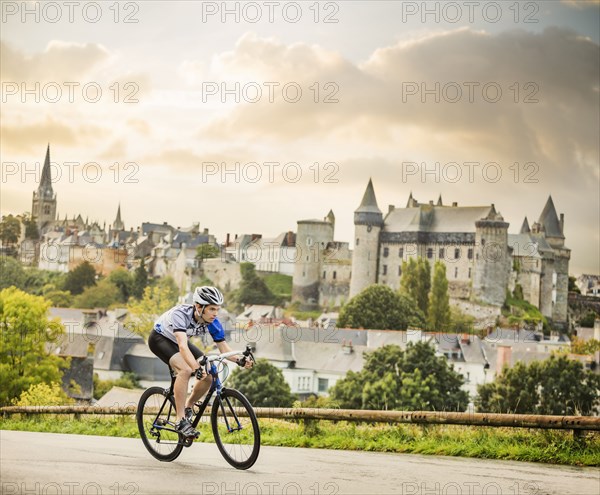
(168, 352)
(183, 374)
(201, 386)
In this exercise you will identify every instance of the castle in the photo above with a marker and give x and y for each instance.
(482, 259)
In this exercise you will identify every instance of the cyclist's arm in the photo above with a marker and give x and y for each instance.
(182, 341)
(224, 347)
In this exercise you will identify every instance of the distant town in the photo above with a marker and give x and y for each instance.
(483, 263)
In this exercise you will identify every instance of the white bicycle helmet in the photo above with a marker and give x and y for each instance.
(206, 295)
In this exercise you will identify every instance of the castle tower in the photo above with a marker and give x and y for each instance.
(553, 230)
(43, 205)
(368, 221)
(311, 241)
(553, 227)
(492, 263)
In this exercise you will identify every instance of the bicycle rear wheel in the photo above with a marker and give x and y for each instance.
(235, 429)
(156, 417)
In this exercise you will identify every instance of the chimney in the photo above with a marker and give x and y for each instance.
(431, 202)
(391, 208)
(454, 204)
(504, 355)
(290, 238)
(227, 240)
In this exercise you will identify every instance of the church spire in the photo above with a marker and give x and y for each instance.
(525, 227)
(118, 223)
(45, 190)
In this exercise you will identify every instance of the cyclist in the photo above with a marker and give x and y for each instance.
(169, 340)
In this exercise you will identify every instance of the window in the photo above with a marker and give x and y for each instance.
(384, 270)
(470, 253)
(303, 383)
(482, 241)
(46, 209)
(386, 252)
(323, 275)
(357, 241)
(456, 253)
(399, 270)
(334, 275)
(323, 384)
(441, 253)
(455, 272)
(429, 253)
(401, 252)
(469, 273)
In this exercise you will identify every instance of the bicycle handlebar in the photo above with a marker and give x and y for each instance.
(205, 360)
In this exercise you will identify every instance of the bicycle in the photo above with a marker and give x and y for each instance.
(233, 420)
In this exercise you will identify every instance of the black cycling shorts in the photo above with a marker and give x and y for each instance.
(165, 349)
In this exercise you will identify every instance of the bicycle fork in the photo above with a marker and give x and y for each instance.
(229, 428)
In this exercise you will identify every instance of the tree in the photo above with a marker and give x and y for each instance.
(579, 346)
(411, 379)
(31, 228)
(155, 301)
(11, 273)
(572, 285)
(263, 385)
(205, 251)
(10, 230)
(416, 281)
(102, 295)
(253, 289)
(140, 280)
(38, 282)
(44, 394)
(123, 280)
(379, 307)
(588, 320)
(438, 314)
(461, 322)
(347, 391)
(59, 298)
(25, 330)
(557, 386)
(81, 277)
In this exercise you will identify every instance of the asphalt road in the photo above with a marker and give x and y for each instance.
(48, 463)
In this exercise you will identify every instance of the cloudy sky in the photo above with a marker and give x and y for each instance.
(249, 116)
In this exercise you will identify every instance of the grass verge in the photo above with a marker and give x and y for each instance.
(549, 446)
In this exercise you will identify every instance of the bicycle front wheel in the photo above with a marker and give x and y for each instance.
(235, 429)
(156, 417)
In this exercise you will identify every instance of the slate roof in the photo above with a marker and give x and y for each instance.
(549, 219)
(442, 219)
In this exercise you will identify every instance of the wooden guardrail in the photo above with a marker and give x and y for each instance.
(575, 423)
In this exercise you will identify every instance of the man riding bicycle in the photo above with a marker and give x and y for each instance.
(169, 340)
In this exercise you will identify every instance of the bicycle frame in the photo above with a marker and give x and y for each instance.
(216, 386)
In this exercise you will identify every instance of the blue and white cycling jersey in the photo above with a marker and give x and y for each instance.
(181, 319)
